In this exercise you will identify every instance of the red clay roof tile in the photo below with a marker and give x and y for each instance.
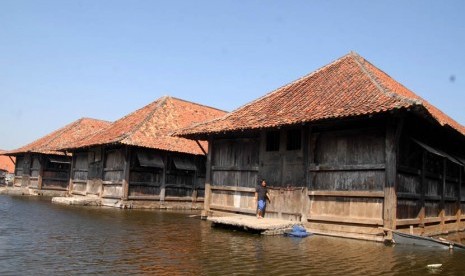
(61, 138)
(6, 163)
(349, 86)
(152, 125)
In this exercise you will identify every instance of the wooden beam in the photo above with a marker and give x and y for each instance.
(442, 193)
(163, 177)
(42, 162)
(233, 189)
(359, 167)
(372, 194)
(208, 177)
(232, 209)
(459, 191)
(311, 158)
(72, 171)
(393, 132)
(235, 168)
(200, 146)
(126, 171)
(422, 214)
(13, 161)
(351, 220)
(141, 197)
(103, 158)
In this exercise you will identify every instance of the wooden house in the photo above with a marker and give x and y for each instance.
(136, 163)
(346, 149)
(41, 168)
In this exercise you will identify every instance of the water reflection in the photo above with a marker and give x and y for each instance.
(39, 238)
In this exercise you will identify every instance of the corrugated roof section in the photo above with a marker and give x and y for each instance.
(349, 86)
(61, 138)
(152, 126)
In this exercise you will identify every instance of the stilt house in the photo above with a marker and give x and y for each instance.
(136, 163)
(346, 149)
(44, 170)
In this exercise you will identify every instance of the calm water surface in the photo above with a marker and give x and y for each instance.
(40, 238)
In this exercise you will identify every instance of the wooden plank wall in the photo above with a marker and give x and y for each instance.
(346, 179)
(234, 174)
(235, 162)
(144, 182)
(35, 171)
(168, 183)
(19, 170)
(429, 189)
(112, 185)
(53, 175)
(95, 174)
(179, 183)
(283, 167)
(79, 174)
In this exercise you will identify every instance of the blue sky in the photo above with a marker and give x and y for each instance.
(63, 60)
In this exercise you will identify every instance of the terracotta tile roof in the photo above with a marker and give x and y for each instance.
(61, 138)
(347, 87)
(152, 125)
(5, 163)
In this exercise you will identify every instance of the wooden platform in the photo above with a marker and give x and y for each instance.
(265, 226)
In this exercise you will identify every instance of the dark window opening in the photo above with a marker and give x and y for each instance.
(294, 139)
(272, 141)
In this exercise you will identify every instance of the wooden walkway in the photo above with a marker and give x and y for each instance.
(265, 226)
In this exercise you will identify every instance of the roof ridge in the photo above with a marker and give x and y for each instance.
(198, 104)
(162, 101)
(64, 129)
(58, 133)
(269, 94)
(93, 119)
(293, 82)
(358, 59)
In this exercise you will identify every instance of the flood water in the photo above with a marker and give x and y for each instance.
(40, 238)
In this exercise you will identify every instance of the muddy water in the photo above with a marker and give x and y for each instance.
(39, 238)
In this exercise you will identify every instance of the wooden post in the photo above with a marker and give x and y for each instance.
(306, 199)
(71, 174)
(459, 191)
(208, 177)
(442, 192)
(26, 170)
(42, 162)
(194, 184)
(422, 214)
(103, 158)
(163, 178)
(393, 131)
(126, 171)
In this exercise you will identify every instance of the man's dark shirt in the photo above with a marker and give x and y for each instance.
(261, 191)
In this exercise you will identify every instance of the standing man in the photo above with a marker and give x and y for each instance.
(261, 195)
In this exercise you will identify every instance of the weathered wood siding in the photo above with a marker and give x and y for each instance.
(80, 172)
(20, 170)
(283, 166)
(35, 171)
(145, 181)
(54, 172)
(235, 162)
(234, 166)
(346, 177)
(428, 185)
(95, 173)
(180, 175)
(113, 169)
